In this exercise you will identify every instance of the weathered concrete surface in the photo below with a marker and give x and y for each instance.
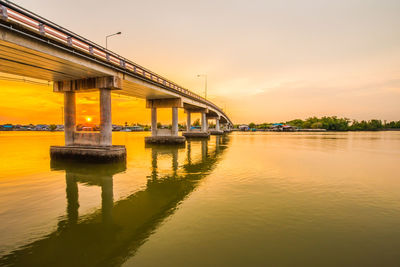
(166, 139)
(89, 153)
(88, 84)
(204, 122)
(105, 117)
(69, 117)
(174, 128)
(216, 132)
(86, 139)
(196, 134)
(164, 103)
(188, 120)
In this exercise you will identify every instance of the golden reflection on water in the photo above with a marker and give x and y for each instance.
(244, 199)
(123, 221)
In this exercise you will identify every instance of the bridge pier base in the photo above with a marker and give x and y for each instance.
(164, 136)
(203, 133)
(88, 146)
(217, 130)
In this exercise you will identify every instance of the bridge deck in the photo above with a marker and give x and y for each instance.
(34, 47)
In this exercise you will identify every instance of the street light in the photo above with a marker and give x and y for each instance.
(205, 83)
(118, 33)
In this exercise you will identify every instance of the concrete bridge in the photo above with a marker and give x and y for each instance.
(109, 236)
(35, 47)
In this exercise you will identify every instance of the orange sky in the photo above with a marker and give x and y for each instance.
(266, 61)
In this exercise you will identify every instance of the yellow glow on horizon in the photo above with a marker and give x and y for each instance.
(88, 119)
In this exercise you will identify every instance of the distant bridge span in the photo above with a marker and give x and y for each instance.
(35, 47)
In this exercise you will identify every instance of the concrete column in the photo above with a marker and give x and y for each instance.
(204, 126)
(188, 121)
(69, 117)
(105, 118)
(217, 124)
(174, 129)
(153, 121)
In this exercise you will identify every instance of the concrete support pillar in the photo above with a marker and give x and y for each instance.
(188, 121)
(217, 124)
(105, 118)
(153, 121)
(174, 128)
(204, 126)
(69, 117)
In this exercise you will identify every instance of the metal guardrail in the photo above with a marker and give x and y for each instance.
(16, 14)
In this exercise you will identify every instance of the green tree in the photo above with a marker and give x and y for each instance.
(52, 127)
(196, 122)
(316, 125)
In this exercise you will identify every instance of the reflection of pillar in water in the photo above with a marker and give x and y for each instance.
(189, 152)
(107, 197)
(217, 143)
(175, 160)
(204, 149)
(154, 164)
(72, 198)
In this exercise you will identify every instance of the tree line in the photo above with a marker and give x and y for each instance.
(335, 124)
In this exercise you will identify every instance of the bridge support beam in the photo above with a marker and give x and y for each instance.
(88, 146)
(164, 136)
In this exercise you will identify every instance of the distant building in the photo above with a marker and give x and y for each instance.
(283, 127)
(135, 128)
(244, 127)
(117, 127)
(6, 127)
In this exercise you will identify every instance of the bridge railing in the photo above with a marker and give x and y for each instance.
(18, 15)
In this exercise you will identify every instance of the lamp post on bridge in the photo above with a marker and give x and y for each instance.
(205, 83)
(118, 33)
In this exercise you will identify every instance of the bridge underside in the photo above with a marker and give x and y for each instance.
(35, 59)
(74, 70)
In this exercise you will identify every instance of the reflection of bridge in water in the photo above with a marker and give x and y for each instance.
(114, 233)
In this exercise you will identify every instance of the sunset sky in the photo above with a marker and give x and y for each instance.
(266, 61)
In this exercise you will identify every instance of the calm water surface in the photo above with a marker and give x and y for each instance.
(247, 199)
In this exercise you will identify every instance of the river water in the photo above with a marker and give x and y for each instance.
(246, 199)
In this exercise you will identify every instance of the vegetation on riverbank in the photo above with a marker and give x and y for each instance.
(335, 124)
